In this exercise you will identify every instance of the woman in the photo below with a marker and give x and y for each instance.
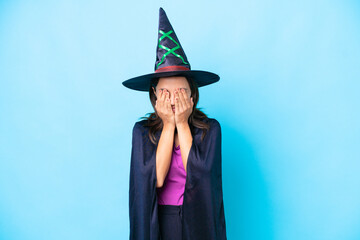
(175, 189)
(173, 106)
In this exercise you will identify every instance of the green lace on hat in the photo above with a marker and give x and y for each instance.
(172, 50)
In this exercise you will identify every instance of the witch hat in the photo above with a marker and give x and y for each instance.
(170, 61)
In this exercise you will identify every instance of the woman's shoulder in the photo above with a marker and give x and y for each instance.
(214, 123)
(140, 124)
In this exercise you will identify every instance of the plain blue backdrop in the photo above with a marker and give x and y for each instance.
(287, 102)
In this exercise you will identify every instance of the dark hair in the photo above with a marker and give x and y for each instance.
(196, 118)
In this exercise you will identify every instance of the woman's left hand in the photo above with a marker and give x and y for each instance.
(183, 106)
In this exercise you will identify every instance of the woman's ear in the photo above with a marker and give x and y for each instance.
(154, 90)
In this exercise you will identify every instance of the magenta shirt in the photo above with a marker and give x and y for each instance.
(172, 192)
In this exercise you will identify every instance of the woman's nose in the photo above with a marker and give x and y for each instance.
(172, 99)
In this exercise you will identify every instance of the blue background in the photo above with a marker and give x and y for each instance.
(288, 104)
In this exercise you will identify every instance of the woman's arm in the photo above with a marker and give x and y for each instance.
(185, 140)
(183, 108)
(164, 152)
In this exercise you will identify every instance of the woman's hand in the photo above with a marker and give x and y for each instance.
(163, 108)
(183, 107)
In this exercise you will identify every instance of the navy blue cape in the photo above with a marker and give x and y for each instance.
(203, 207)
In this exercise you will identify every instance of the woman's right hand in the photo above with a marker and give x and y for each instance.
(163, 108)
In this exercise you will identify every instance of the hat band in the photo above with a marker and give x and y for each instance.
(172, 68)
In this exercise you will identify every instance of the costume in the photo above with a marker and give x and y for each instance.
(202, 209)
(170, 61)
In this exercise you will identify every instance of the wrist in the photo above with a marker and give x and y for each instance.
(170, 126)
(182, 125)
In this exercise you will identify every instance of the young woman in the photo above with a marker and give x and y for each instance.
(175, 187)
(173, 106)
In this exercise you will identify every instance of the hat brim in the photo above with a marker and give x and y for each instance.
(142, 83)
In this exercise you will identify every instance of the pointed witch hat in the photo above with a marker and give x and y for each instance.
(170, 61)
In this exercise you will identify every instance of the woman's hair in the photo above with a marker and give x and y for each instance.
(195, 119)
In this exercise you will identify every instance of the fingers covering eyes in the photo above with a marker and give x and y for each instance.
(185, 98)
(163, 95)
